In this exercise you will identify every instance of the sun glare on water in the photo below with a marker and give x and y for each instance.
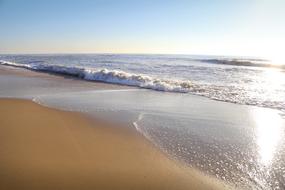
(268, 134)
(276, 59)
(269, 123)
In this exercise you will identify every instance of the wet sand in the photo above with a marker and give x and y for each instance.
(44, 148)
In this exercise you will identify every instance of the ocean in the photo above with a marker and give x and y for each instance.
(172, 101)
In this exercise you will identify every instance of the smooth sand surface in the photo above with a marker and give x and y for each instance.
(43, 148)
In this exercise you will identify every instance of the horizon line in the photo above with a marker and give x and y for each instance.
(131, 53)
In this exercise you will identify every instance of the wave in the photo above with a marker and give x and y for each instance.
(110, 76)
(242, 62)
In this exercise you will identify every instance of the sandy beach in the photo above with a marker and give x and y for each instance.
(43, 148)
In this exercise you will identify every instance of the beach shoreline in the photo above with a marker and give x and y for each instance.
(44, 148)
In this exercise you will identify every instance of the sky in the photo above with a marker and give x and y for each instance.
(213, 27)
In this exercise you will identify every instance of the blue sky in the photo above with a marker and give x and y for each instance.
(232, 27)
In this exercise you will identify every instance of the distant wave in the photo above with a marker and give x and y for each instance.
(110, 76)
(242, 62)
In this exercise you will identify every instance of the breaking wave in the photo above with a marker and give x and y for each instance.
(242, 62)
(110, 76)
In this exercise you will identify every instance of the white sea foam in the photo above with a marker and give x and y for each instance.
(111, 76)
(131, 79)
(8, 63)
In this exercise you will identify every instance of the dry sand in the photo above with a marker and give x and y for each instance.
(43, 148)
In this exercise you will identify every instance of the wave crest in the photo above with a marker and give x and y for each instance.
(111, 76)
